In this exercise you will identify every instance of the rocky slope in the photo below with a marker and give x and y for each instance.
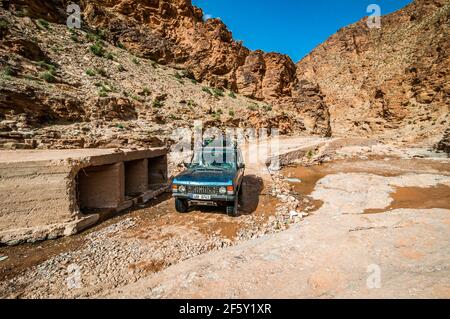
(392, 82)
(132, 75)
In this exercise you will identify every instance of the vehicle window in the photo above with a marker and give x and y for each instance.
(214, 159)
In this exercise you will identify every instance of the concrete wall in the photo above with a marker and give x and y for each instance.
(43, 194)
(28, 188)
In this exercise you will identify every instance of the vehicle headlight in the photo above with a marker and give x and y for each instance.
(222, 190)
(182, 189)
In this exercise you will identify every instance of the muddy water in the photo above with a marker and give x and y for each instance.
(403, 197)
(417, 198)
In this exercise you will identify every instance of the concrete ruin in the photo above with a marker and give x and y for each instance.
(45, 194)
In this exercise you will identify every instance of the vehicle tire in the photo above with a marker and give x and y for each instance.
(233, 210)
(181, 205)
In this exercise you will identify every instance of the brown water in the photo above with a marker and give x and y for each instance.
(417, 198)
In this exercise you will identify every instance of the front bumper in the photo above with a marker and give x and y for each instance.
(213, 198)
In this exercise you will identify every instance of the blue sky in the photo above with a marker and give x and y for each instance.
(293, 27)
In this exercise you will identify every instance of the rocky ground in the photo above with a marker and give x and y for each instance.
(143, 245)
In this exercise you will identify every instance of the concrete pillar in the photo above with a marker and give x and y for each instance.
(101, 186)
(136, 177)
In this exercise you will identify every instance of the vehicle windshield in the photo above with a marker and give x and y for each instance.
(214, 159)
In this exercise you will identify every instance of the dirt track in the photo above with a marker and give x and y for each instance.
(155, 252)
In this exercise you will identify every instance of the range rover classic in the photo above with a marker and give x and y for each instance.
(213, 178)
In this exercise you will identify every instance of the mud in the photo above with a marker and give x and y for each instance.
(403, 197)
(417, 198)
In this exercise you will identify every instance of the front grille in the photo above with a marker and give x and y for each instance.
(202, 190)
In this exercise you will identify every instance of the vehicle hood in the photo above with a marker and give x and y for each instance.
(205, 177)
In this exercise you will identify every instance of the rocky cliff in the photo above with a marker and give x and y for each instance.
(391, 82)
(388, 83)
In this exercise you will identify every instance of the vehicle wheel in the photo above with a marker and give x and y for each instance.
(233, 211)
(181, 205)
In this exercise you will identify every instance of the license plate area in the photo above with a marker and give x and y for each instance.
(202, 197)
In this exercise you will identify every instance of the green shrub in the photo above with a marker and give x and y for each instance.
(4, 25)
(120, 68)
(101, 72)
(74, 38)
(97, 49)
(8, 71)
(231, 113)
(194, 81)
(253, 107)
(102, 93)
(157, 103)
(177, 76)
(43, 24)
(217, 92)
(267, 108)
(136, 61)
(120, 45)
(120, 126)
(110, 56)
(207, 90)
(232, 95)
(47, 77)
(90, 72)
(146, 91)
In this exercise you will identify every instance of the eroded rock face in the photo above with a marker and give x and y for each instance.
(389, 81)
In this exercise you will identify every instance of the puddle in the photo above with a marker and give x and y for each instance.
(387, 167)
(417, 198)
(403, 197)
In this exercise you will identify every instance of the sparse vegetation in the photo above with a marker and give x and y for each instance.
(104, 89)
(191, 104)
(146, 91)
(207, 90)
(253, 107)
(47, 77)
(110, 56)
(101, 72)
(137, 98)
(136, 61)
(120, 45)
(90, 72)
(4, 25)
(120, 126)
(310, 154)
(217, 92)
(8, 71)
(267, 108)
(157, 103)
(120, 68)
(232, 95)
(43, 24)
(231, 113)
(97, 49)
